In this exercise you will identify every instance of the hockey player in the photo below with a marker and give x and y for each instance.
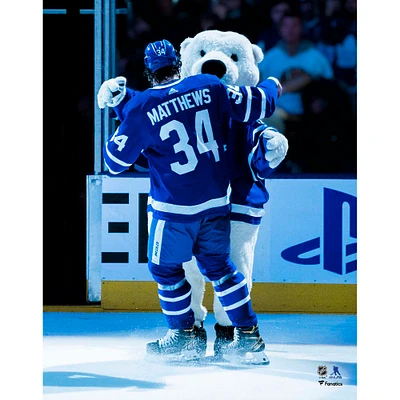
(178, 126)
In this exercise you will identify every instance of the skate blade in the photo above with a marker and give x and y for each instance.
(187, 356)
(249, 358)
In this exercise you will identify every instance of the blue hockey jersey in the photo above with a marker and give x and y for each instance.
(179, 126)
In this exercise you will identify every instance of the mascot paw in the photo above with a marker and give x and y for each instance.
(276, 145)
(111, 92)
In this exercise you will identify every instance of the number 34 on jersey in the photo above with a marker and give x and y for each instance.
(202, 123)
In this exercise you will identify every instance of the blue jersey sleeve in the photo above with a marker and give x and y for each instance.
(120, 112)
(124, 147)
(119, 109)
(249, 103)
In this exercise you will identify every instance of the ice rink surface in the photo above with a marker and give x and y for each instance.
(101, 356)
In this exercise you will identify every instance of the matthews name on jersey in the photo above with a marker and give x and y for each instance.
(179, 128)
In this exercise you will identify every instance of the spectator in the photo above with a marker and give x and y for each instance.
(336, 36)
(192, 14)
(237, 16)
(331, 25)
(350, 12)
(165, 19)
(209, 20)
(309, 11)
(270, 36)
(148, 21)
(132, 37)
(346, 63)
(329, 136)
(191, 8)
(297, 63)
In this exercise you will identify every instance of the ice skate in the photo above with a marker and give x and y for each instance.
(202, 337)
(224, 336)
(247, 347)
(179, 345)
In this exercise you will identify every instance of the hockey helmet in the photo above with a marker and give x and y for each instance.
(160, 54)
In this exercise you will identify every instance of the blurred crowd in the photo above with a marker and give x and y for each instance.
(309, 45)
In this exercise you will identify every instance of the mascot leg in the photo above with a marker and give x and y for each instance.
(198, 284)
(243, 243)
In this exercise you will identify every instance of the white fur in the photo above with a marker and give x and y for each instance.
(277, 147)
(219, 45)
(198, 284)
(105, 93)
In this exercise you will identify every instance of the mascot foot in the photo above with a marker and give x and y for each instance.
(247, 347)
(179, 345)
(223, 338)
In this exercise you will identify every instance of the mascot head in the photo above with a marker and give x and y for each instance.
(228, 55)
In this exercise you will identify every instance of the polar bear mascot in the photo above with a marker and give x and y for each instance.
(252, 158)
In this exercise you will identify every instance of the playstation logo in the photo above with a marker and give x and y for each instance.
(339, 236)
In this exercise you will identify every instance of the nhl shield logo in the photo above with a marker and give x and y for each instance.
(322, 370)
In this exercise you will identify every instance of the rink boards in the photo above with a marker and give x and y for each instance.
(305, 259)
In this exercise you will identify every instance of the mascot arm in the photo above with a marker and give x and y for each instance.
(249, 103)
(270, 149)
(272, 90)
